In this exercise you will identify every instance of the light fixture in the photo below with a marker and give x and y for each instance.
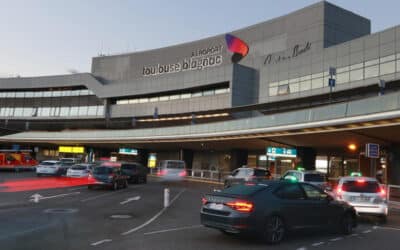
(352, 147)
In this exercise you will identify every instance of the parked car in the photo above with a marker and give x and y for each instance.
(136, 172)
(310, 176)
(272, 208)
(80, 170)
(245, 174)
(49, 168)
(107, 175)
(365, 194)
(171, 169)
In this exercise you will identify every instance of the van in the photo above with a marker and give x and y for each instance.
(171, 169)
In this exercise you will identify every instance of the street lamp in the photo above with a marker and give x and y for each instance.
(352, 147)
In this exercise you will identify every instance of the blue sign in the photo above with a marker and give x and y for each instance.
(372, 150)
(282, 152)
(331, 82)
(128, 151)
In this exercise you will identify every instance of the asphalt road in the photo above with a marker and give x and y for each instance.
(77, 218)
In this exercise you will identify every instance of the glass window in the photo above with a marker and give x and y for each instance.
(10, 94)
(57, 93)
(92, 110)
(208, 92)
(29, 94)
(74, 111)
(2, 111)
(313, 193)
(371, 62)
(306, 85)
(387, 58)
(164, 98)
(133, 101)
(45, 111)
(75, 92)
(66, 93)
(153, 99)
(174, 97)
(356, 75)
(2, 94)
(47, 94)
(273, 91)
(20, 94)
(294, 87)
(387, 68)
(185, 96)
(100, 110)
(197, 94)
(290, 192)
(83, 110)
(122, 102)
(27, 112)
(18, 112)
(361, 186)
(317, 83)
(84, 92)
(342, 78)
(56, 111)
(143, 100)
(64, 111)
(283, 89)
(9, 111)
(372, 71)
(38, 94)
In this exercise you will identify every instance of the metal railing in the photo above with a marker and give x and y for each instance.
(202, 174)
(393, 196)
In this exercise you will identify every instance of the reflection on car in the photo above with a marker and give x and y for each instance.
(245, 174)
(272, 208)
(107, 175)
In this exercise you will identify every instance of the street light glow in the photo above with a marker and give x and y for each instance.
(352, 146)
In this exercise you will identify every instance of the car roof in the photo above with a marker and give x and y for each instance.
(51, 161)
(354, 178)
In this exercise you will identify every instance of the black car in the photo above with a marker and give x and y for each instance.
(271, 208)
(108, 176)
(136, 172)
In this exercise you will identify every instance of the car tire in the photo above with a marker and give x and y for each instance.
(275, 230)
(115, 186)
(346, 224)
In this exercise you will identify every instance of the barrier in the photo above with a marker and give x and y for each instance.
(393, 196)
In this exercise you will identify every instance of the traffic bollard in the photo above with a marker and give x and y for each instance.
(166, 197)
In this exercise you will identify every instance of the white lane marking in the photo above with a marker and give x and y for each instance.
(101, 242)
(302, 248)
(55, 196)
(174, 229)
(154, 217)
(136, 198)
(318, 244)
(336, 239)
(353, 235)
(366, 231)
(79, 188)
(99, 196)
(389, 228)
(375, 227)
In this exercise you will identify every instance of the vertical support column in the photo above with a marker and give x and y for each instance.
(307, 157)
(238, 158)
(393, 166)
(186, 155)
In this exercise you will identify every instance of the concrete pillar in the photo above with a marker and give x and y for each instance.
(307, 157)
(186, 155)
(393, 166)
(143, 156)
(238, 158)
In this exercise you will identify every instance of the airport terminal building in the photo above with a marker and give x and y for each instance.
(310, 82)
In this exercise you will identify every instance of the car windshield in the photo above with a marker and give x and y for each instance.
(174, 164)
(47, 163)
(315, 177)
(260, 172)
(78, 167)
(102, 170)
(361, 186)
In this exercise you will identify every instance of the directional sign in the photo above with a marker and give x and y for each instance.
(372, 150)
(281, 152)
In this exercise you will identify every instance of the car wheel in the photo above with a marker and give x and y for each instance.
(275, 230)
(115, 186)
(346, 224)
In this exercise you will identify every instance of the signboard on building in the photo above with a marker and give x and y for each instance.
(372, 150)
(128, 151)
(282, 152)
(152, 160)
(70, 149)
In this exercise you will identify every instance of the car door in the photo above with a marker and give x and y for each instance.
(293, 205)
(318, 202)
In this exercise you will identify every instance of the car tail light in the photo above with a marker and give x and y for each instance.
(204, 200)
(162, 172)
(339, 192)
(241, 206)
(382, 192)
(183, 173)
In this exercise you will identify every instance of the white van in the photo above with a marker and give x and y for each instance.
(171, 169)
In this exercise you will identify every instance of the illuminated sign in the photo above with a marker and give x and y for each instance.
(297, 50)
(128, 151)
(199, 59)
(152, 160)
(239, 48)
(281, 152)
(73, 150)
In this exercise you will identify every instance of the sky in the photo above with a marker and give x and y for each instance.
(51, 37)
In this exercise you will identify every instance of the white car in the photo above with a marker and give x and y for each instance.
(365, 194)
(49, 168)
(309, 176)
(79, 170)
(171, 170)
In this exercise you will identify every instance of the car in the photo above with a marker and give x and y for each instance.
(309, 176)
(136, 172)
(50, 167)
(244, 174)
(271, 209)
(80, 170)
(107, 175)
(70, 161)
(365, 194)
(171, 170)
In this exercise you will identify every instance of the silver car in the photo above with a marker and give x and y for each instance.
(80, 170)
(365, 194)
(49, 168)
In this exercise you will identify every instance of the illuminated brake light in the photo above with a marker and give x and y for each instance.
(360, 180)
(382, 192)
(182, 174)
(204, 200)
(241, 206)
(162, 172)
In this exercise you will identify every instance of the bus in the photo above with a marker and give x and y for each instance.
(17, 160)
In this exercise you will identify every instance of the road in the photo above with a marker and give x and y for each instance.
(134, 218)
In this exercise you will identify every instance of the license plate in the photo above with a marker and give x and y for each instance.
(216, 206)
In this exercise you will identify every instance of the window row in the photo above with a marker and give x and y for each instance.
(40, 94)
(174, 97)
(52, 111)
(356, 72)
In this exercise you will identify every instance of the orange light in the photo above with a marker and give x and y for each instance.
(241, 206)
(352, 147)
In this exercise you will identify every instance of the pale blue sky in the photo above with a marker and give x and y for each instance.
(45, 37)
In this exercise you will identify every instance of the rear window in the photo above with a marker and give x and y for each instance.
(175, 164)
(260, 172)
(46, 163)
(243, 189)
(78, 167)
(102, 170)
(314, 177)
(361, 187)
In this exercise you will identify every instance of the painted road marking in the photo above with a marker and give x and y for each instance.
(136, 198)
(366, 231)
(302, 248)
(101, 242)
(154, 217)
(99, 196)
(174, 229)
(318, 244)
(39, 197)
(389, 228)
(353, 235)
(336, 239)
